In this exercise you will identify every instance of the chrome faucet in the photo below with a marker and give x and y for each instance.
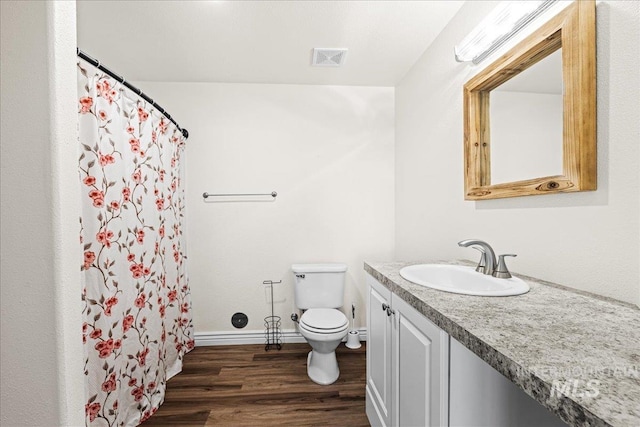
(488, 263)
(488, 255)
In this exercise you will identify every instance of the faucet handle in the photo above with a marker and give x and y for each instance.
(502, 272)
(482, 264)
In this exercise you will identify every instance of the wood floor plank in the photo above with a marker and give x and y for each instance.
(344, 415)
(186, 419)
(248, 386)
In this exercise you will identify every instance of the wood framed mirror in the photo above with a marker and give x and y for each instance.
(573, 31)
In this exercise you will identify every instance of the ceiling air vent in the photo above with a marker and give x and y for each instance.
(328, 57)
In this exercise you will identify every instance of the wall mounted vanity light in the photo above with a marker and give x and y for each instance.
(498, 27)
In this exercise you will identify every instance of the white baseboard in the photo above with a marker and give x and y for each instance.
(252, 337)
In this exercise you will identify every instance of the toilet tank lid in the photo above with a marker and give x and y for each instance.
(319, 268)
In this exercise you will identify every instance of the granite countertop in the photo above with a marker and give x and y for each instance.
(586, 343)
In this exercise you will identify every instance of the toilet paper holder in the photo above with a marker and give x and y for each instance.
(272, 332)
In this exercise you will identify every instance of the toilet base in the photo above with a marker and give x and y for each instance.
(322, 368)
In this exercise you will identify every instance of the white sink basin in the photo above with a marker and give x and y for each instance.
(462, 280)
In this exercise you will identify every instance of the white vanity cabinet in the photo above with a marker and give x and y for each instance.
(418, 376)
(407, 363)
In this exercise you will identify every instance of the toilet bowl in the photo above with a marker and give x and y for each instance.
(324, 329)
(319, 292)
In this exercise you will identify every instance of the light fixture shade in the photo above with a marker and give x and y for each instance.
(499, 26)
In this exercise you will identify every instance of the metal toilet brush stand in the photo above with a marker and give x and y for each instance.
(272, 332)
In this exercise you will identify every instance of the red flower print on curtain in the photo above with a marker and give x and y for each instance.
(137, 306)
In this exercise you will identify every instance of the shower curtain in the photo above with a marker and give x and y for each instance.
(136, 298)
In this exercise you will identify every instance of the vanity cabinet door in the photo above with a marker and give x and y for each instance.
(421, 369)
(379, 385)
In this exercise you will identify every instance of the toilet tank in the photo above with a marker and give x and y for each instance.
(319, 285)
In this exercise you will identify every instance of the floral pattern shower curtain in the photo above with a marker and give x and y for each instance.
(137, 307)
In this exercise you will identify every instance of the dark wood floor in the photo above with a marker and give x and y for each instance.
(247, 386)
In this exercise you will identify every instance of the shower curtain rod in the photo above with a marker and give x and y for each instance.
(140, 93)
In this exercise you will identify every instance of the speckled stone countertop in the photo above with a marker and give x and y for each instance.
(550, 335)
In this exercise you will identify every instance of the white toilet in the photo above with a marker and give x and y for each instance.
(319, 292)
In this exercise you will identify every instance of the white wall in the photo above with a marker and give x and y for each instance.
(326, 150)
(588, 240)
(41, 351)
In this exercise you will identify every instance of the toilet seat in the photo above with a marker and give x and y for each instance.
(324, 321)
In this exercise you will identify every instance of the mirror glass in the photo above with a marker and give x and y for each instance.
(526, 123)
